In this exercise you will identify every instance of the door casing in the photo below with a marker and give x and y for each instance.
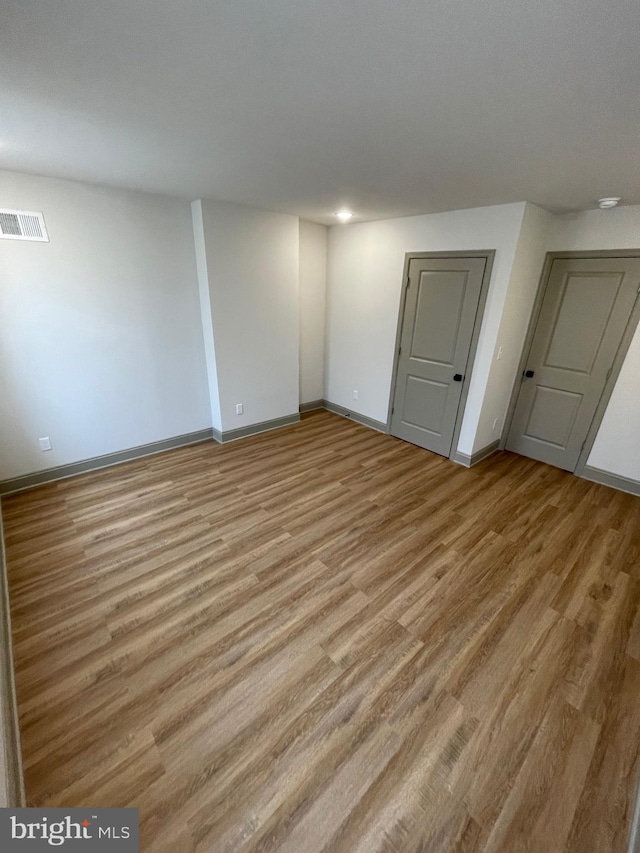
(617, 363)
(489, 255)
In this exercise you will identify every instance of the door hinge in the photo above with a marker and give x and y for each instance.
(393, 408)
(399, 350)
(609, 372)
(408, 281)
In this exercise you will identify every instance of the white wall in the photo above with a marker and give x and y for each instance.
(521, 294)
(617, 445)
(252, 266)
(364, 286)
(206, 315)
(313, 292)
(597, 229)
(100, 338)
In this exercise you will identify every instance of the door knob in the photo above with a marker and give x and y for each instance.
(528, 373)
(457, 377)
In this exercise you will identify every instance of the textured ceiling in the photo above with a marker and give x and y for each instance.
(390, 108)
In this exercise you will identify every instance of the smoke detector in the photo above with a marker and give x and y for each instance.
(608, 203)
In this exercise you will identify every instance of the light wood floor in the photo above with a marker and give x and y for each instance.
(326, 639)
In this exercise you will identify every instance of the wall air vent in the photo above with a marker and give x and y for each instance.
(22, 225)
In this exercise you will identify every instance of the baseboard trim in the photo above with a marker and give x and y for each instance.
(254, 429)
(12, 783)
(50, 475)
(311, 407)
(354, 416)
(468, 461)
(615, 481)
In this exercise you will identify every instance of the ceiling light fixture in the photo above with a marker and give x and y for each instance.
(344, 215)
(608, 203)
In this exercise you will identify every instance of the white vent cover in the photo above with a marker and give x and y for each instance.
(22, 225)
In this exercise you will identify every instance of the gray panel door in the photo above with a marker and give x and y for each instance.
(440, 311)
(585, 309)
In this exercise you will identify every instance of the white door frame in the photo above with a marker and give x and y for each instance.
(489, 255)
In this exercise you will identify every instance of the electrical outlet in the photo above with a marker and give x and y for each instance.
(239, 408)
(355, 395)
(45, 443)
(500, 351)
(495, 424)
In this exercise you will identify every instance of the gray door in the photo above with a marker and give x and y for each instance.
(585, 309)
(440, 310)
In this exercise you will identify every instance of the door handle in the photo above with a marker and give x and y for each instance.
(528, 373)
(458, 377)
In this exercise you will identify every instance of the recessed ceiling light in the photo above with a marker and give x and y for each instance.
(344, 215)
(607, 203)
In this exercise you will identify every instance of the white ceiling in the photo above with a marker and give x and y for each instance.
(385, 106)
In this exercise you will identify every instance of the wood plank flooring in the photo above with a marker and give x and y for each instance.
(326, 640)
